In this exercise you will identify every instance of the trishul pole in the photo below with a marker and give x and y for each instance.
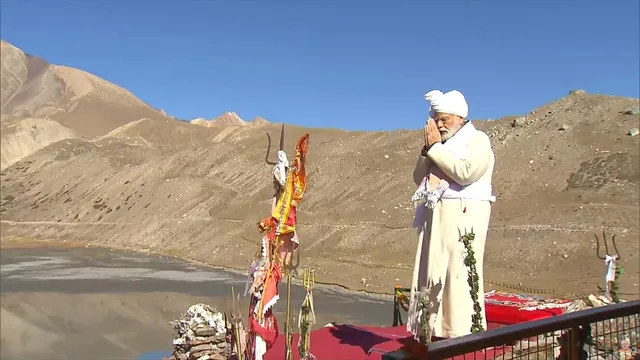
(287, 197)
(277, 241)
(236, 324)
(288, 324)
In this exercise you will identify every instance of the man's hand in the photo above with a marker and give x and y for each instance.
(431, 133)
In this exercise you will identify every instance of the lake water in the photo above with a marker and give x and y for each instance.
(80, 303)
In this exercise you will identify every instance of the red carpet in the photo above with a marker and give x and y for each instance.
(342, 342)
(508, 309)
(348, 342)
(376, 352)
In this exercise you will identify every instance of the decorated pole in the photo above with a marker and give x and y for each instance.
(276, 249)
(288, 328)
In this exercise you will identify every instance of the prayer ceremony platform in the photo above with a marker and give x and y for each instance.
(350, 342)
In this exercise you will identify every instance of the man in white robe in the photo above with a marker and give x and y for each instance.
(454, 173)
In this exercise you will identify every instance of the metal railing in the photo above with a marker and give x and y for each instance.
(606, 332)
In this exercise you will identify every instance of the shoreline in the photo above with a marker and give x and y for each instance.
(332, 278)
(15, 242)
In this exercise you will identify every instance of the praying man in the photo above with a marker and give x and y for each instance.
(454, 195)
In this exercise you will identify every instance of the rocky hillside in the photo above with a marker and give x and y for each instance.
(563, 171)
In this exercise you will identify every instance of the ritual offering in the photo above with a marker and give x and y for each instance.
(307, 316)
(201, 334)
(275, 248)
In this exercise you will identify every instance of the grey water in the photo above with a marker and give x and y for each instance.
(79, 303)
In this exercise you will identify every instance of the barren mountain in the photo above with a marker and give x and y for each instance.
(563, 171)
(43, 103)
(227, 119)
(31, 87)
(259, 121)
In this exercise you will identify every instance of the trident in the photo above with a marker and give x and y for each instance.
(606, 247)
(266, 158)
(236, 323)
(275, 254)
(610, 260)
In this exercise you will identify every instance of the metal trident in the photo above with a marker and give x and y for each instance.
(606, 246)
(269, 146)
(292, 266)
(236, 323)
(308, 279)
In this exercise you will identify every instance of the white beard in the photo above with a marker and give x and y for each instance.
(446, 135)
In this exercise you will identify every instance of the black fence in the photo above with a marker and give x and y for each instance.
(610, 332)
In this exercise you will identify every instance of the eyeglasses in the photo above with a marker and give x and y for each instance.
(444, 119)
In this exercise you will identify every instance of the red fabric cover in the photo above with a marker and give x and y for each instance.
(341, 342)
(268, 333)
(376, 352)
(348, 342)
(511, 314)
(292, 219)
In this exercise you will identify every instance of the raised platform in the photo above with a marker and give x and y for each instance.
(349, 342)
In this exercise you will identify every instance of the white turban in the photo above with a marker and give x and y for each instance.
(452, 102)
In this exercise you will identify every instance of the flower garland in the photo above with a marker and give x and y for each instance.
(304, 330)
(305, 335)
(423, 306)
(416, 348)
(307, 317)
(472, 280)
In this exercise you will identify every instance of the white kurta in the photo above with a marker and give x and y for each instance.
(439, 263)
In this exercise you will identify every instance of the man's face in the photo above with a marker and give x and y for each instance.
(448, 125)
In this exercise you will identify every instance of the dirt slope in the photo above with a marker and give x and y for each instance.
(196, 192)
(564, 171)
(22, 137)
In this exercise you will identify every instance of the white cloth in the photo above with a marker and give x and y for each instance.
(279, 171)
(452, 102)
(429, 197)
(450, 190)
(610, 262)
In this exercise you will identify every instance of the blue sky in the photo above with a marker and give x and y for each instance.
(352, 64)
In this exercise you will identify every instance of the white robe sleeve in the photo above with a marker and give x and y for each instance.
(468, 170)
